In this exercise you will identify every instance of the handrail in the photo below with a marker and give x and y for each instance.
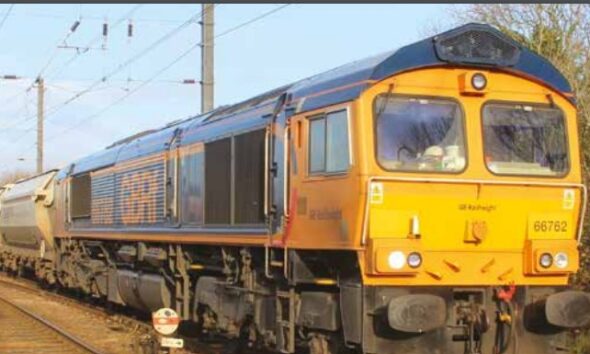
(286, 151)
(266, 169)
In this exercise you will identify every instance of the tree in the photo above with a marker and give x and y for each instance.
(7, 177)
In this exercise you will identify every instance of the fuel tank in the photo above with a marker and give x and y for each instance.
(26, 217)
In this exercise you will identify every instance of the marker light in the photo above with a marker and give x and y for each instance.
(414, 260)
(479, 81)
(396, 260)
(546, 260)
(561, 260)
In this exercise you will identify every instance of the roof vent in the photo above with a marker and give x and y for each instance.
(476, 44)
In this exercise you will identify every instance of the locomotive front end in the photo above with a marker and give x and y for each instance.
(474, 206)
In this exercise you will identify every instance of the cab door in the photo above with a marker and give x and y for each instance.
(324, 185)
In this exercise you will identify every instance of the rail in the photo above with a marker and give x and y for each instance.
(132, 332)
(77, 342)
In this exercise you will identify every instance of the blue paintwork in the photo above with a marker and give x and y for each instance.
(341, 84)
(146, 145)
(93, 162)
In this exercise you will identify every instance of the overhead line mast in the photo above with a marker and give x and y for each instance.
(40, 99)
(207, 60)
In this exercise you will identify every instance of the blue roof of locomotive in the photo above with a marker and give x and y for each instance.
(339, 85)
(417, 55)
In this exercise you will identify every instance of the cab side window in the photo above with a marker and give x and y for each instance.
(328, 143)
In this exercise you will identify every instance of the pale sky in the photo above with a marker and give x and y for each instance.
(295, 42)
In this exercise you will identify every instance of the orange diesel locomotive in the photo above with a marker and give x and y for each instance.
(426, 200)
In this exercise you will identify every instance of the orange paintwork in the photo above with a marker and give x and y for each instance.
(475, 228)
(446, 211)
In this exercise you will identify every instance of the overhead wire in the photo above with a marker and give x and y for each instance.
(27, 100)
(122, 19)
(168, 66)
(71, 60)
(50, 111)
(47, 63)
(13, 97)
(2, 21)
(71, 31)
(6, 128)
(6, 14)
(162, 70)
(44, 67)
(74, 57)
(15, 102)
(126, 63)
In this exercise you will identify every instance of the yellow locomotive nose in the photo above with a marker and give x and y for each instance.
(470, 232)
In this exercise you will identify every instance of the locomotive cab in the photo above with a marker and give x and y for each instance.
(495, 175)
(474, 203)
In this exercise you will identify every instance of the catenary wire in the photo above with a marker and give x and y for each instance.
(128, 62)
(50, 111)
(61, 68)
(94, 40)
(162, 70)
(6, 14)
(168, 66)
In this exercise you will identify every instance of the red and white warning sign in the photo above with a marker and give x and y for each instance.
(165, 321)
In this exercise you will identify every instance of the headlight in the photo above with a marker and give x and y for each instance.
(479, 81)
(396, 260)
(561, 260)
(414, 260)
(546, 260)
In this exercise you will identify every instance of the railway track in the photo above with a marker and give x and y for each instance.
(105, 331)
(67, 318)
(23, 331)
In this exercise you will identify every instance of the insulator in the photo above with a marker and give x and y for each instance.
(75, 26)
(130, 29)
(105, 29)
(189, 81)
